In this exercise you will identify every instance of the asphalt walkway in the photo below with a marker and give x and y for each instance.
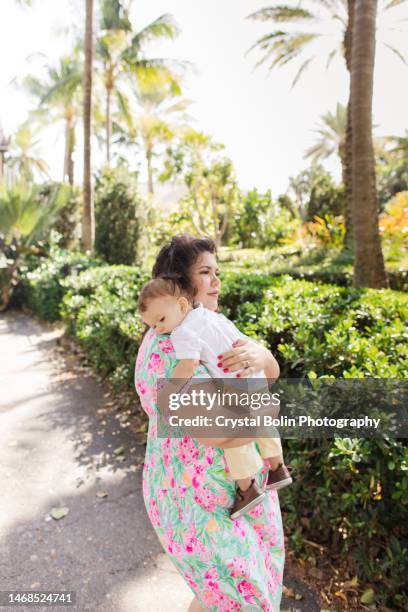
(57, 446)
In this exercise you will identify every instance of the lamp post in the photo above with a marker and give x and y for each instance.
(4, 145)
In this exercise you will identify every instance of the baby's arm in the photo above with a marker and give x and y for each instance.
(186, 345)
(185, 369)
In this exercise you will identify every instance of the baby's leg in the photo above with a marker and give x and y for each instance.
(243, 462)
(271, 449)
(279, 475)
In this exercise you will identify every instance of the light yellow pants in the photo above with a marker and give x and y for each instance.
(245, 461)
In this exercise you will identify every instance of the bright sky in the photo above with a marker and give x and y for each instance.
(265, 125)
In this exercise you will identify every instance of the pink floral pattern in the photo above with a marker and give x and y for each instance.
(229, 565)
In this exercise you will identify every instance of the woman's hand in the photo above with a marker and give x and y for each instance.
(247, 357)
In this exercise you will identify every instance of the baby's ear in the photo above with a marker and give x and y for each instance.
(183, 304)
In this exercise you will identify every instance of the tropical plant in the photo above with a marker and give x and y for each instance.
(369, 269)
(159, 115)
(25, 217)
(391, 154)
(213, 195)
(122, 54)
(262, 222)
(58, 96)
(285, 44)
(117, 210)
(394, 227)
(25, 157)
(331, 138)
(315, 193)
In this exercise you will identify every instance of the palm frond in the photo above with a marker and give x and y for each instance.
(114, 16)
(24, 215)
(283, 46)
(124, 110)
(397, 53)
(281, 13)
(337, 9)
(318, 151)
(393, 3)
(301, 70)
(331, 57)
(163, 27)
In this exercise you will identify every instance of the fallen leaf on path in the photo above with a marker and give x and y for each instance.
(341, 595)
(288, 592)
(119, 451)
(102, 494)
(59, 513)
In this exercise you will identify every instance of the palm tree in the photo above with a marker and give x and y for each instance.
(25, 157)
(122, 53)
(58, 97)
(333, 141)
(401, 144)
(160, 114)
(332, 137)
(88, 217)
(284, 45)
(369, 270)
(25, 218)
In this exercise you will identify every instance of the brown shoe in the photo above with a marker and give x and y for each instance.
(246, 500)
(279, 478)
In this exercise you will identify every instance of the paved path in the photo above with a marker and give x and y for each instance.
(56, 450)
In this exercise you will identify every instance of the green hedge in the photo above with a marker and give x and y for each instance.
(42, 287)
(100, 309)
(351, 495)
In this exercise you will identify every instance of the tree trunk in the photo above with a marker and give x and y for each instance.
(69, 150)
(149, 155)
(108, 125)
(347, 165)
(88, 224)
(369, 270)
(71, 156)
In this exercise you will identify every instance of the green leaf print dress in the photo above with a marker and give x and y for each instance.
(229, 564)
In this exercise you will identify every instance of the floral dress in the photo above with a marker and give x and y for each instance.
(228, 564)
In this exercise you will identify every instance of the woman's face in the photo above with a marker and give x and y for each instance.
(204, 276)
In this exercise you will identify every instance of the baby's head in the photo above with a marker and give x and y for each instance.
(164, 303)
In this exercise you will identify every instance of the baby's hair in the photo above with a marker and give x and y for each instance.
(163, 286)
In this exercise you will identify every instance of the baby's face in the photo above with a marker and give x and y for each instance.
(165, 313)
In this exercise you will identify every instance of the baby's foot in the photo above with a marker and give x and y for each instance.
(246, 500)
(279, 478)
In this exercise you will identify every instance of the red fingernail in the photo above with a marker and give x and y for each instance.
(238, 375)
(219, 365)
(219, 356)
(226, 370)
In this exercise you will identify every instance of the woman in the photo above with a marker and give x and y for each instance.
(229, 565)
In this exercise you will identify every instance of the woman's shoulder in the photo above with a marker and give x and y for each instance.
(158, 345)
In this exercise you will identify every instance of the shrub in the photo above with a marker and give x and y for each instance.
(117, 227)
(68, 218)
(100, 309)
(42, 288)
(349, 495)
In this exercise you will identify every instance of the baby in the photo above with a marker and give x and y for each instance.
(200, 335)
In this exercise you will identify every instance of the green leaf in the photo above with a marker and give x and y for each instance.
(59, 513)
(368, 597)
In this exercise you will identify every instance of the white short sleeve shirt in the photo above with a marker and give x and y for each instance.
(204, 335)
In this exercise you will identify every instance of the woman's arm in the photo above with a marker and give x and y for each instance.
(247, 351)
(225, 442)
(169, 388)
